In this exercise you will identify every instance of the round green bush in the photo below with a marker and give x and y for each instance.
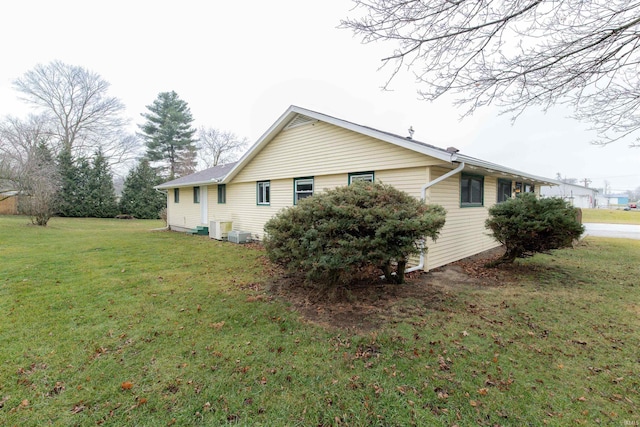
(335, 235)
(527, 225)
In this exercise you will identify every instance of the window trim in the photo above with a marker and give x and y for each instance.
(504, 181)
(196, 194)
(295, 188)
(472, 177)
(352, 175)
(265, 193)
(222, 194)
(176, 195)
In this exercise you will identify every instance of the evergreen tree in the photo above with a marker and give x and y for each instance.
(139, 198)
(69, 201)
(100, 193)
(527, 225)
(169, 136)
(86, 187)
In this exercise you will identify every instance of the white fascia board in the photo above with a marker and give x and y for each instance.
(188, 184)
(513, 173)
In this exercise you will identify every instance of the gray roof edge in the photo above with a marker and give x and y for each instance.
(203, 177)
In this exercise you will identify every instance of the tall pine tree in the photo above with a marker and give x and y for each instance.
(69, 201)
(139, 198)
(169, 136)
(101, 195)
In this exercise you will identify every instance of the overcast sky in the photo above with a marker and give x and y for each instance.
(240, 65)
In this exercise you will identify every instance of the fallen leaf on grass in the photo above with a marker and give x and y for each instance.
(77, 408)
(57, 389)
(127, 385)
(217, 325)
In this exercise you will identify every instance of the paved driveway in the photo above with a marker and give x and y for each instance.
(624, 231)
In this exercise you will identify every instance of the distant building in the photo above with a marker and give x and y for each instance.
(578, 195)
(613, 200)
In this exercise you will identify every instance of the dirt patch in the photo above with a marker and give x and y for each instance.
(367, 305)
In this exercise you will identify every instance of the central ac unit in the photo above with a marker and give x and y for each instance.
(220, 229)
(239, 236)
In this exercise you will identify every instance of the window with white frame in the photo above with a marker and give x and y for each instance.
(176, 195)
(264, 193)
(302, 187)
(361, 176)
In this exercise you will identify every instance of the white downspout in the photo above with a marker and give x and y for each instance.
(423, 197)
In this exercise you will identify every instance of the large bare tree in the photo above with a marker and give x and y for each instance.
(83, 117)
(218, 147)
(517, 54)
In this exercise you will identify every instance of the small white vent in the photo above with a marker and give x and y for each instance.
(299, 120)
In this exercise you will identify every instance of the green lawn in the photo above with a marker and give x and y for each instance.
(611, 216)
(107, 323)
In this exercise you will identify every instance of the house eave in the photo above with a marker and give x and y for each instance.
(188, 184)
(494, 169)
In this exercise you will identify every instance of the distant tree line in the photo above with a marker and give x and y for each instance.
(60, 159)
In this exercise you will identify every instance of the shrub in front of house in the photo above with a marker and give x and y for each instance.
(527, 225)
(333, 236)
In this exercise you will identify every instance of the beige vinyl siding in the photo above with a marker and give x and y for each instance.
(217, 211)
(185, 214)
(464, 233)
(320, 148)
(241, 207)
(410, 180)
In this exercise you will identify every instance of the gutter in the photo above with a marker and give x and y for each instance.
(423, 197)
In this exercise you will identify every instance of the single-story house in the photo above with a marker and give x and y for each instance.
(579, 196)
(305, 152)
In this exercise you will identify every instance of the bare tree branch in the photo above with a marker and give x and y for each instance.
(219, 147)
(517, 54)
(84, 118)
(27, 166)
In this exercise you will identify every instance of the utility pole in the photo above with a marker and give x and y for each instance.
(586, 181)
